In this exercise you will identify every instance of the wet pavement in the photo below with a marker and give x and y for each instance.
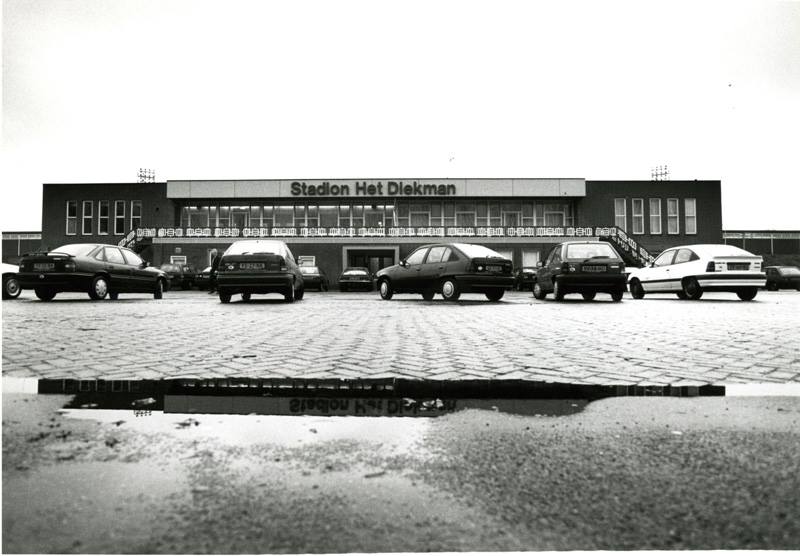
(619, 474)
(659, 340)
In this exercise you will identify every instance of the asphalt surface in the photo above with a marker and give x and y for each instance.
(624, 473)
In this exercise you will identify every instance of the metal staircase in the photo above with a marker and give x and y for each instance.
(632, 253)
(134, 243)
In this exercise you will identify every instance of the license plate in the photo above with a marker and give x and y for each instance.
(738, 266)
(44, 266)
(594, 268)
(494, 268)
(251, 266)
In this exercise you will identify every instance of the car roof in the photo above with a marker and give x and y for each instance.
(707, 249)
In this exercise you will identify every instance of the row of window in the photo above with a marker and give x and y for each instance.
(655, 220)
(103, 217)
(400, 214)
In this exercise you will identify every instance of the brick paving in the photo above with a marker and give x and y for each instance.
(659, 340)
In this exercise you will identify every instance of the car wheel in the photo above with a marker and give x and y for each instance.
(617, 296)
(158, 293)
(385, 289)
(495, 295)
(44, 294)
(450, 290)
(99, 288)
(558, 293)
(747, 294)
(772, 286)
(299, 295)
(637, 290)
(245, 297)
(113, 296)
(692, 289)
(538, 291)
(427, 295)
(588, 296)
(681, 295)
(224, 297)
(11, 289)
(288, 297)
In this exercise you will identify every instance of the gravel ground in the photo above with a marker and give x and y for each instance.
(628, 473)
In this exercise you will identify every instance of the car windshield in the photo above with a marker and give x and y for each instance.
(355, 272)
(256, 247)
(74, 249)
(789, 271)
(207, 269)
(473, 251)
(309, 270)
(590, 251)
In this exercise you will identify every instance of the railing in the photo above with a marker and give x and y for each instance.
(629, 246)
(129, 240)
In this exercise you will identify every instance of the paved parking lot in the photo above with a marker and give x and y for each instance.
(656, 341)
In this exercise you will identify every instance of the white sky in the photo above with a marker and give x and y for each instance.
(95, 89)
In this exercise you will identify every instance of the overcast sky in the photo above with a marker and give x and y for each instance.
(95, 89)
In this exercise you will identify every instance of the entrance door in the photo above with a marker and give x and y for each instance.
(373, 259)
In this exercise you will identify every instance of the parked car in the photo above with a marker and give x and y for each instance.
(690, 270)
(355, 278)
(449, 269)
(203, 278)
(584, 267)
(782, 277)
(11, 288)
(314, 277)
(189, 276)
(180, 276)
(259, 266)
(524, 277)
(94, 268)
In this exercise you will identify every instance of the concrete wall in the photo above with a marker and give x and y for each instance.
(597, 209)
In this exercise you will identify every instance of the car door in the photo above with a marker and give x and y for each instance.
(118, 270)
(679, 269)
(550, 268)
(656, 278)
(140, 279)
(434, 266)
(408, 275)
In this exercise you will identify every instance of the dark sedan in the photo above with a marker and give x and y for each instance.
(179, 275)
(314, 277)
(259, 266)
(449, 269)
(524, 277)
(355, 278)
(203, 278)
(97, 269)
(782, 277)
(585, 267)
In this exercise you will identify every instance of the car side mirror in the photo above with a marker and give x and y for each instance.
(144, 264)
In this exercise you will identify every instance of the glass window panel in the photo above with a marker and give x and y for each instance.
(637, 206)
(417, 256)
(255, 216)
(119, 217)
(435, 254)
(527, 211)
(689, 208)
(267, 216)
(420, 219)
(344, 216)
(131, 257)
(494, 210)
(198, 217)
(328, 216)
(104, 213)
(284, 216)
(465, 207)
(465, 219)
(655, 216)
(312, 215)
(673, 225)
(620, 214)
(436, 209)
(113, 255)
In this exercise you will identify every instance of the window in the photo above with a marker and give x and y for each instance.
(328, 216)
(530, 258)
(638, 215)
(684, 256)
(655, 216)
(690, 214)
(664, 258)
(435, 256)
(88, 216)
(136, 214)
(420, 218)
(113, 255)
(102, 217)
(72, 218)
(673, 226)
(417, 256)
(131, 257)
(119, 218)
(620, 216)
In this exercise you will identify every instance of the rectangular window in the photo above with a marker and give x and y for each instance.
(72, 218)
(690, 214)
(103, 212)
(88, 216)
(673, 224)
(328, 216)
(637, 206)
(655, 216)
(119, 218)
(284, 216)
(344, 216)
(136, 214)
(620, 214)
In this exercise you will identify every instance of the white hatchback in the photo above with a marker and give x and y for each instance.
(690, 270)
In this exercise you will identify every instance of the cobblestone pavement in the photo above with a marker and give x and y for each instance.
(659, 340)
